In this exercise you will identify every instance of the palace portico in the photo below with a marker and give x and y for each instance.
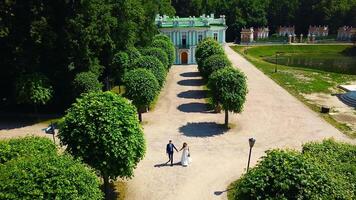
(186, 33)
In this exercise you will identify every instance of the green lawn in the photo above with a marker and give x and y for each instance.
(299, 80)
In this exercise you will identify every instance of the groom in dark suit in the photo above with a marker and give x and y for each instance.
(170, 150)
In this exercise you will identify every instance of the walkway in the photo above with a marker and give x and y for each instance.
(271, 115)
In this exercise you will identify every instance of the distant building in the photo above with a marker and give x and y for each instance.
(318, 31)
(186, 33)
(286, 30)
(247, 35)
(345, 33)
(261, 33)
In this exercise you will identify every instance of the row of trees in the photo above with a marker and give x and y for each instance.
(273, 13)
(144, 77)
(65, 46)
(101, 129)
(227, 85)
(322, 171)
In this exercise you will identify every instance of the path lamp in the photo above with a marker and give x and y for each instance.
(50, 130)
(251, 142)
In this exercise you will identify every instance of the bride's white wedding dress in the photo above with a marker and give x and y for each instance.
(185, 157)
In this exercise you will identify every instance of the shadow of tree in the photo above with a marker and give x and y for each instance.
(191, 82)
(190, 74)
(193, 94)
(194, 108)
(13, 121)
(202, 129)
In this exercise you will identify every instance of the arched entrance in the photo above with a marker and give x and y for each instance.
(184, 58)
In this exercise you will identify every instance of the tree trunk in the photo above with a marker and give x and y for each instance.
(226, 118)
(139, 115)
(106, 187)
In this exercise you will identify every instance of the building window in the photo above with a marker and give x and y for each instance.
(216, 36)
(184, 40)
(200, 37)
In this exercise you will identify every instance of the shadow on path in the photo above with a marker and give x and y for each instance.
(191, 82)
(202, 129)
(193, 94)
(166, 164)
(190, 74)
(194, 108)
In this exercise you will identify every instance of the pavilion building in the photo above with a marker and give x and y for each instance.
(247, 35)
(186, 33)
(286, 31)
(345, 33)
(318, 31)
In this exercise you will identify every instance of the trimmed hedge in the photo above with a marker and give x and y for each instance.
(141, 87)
(26, 146)
(31, 168)
(207, 48)
(48, 177)
(158, 53)
(167, 47)
(85, 82)
(154, 65)
(324, 170)
(214, 63)
(287, 175)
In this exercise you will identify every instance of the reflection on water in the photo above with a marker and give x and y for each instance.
(330, 63)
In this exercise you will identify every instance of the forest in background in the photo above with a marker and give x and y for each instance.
(60, 39)
(273, 13)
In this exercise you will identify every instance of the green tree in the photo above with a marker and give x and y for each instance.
(48, 177)
(154, 65)
(229, 88)
(141, 87)
(103, 130)
(207, 48)
(214, 63)
(85, 82)
(287, 175)
(167, 47)
(33, 89)
(25, 147)
(158, 53)
(133, 54)
(120, 64)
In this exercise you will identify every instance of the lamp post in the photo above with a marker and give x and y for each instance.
(50, 130)
(251, 142)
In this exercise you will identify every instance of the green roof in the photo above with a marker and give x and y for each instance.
(185, 22)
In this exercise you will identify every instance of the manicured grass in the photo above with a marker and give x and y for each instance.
(302, 80)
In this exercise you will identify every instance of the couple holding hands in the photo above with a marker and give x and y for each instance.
(185, 160)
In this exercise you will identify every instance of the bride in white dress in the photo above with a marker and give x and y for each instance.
(185, 155)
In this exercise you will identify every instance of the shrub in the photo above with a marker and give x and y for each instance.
(133, 54)
(287, 175)
(207, 48)
(33, 89)
(167, 47)
(85, 82)
(120, 64)
(162, 37)
(48, 177)
(214, 63)
(158, 53)
(27, 146)
(338, 159)
(102, 128)
(228, 88)
(154, 65)
(141, 87)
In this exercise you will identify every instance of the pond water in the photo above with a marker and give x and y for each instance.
(326, 62)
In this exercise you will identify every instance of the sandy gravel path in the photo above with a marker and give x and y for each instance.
(271, 115)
